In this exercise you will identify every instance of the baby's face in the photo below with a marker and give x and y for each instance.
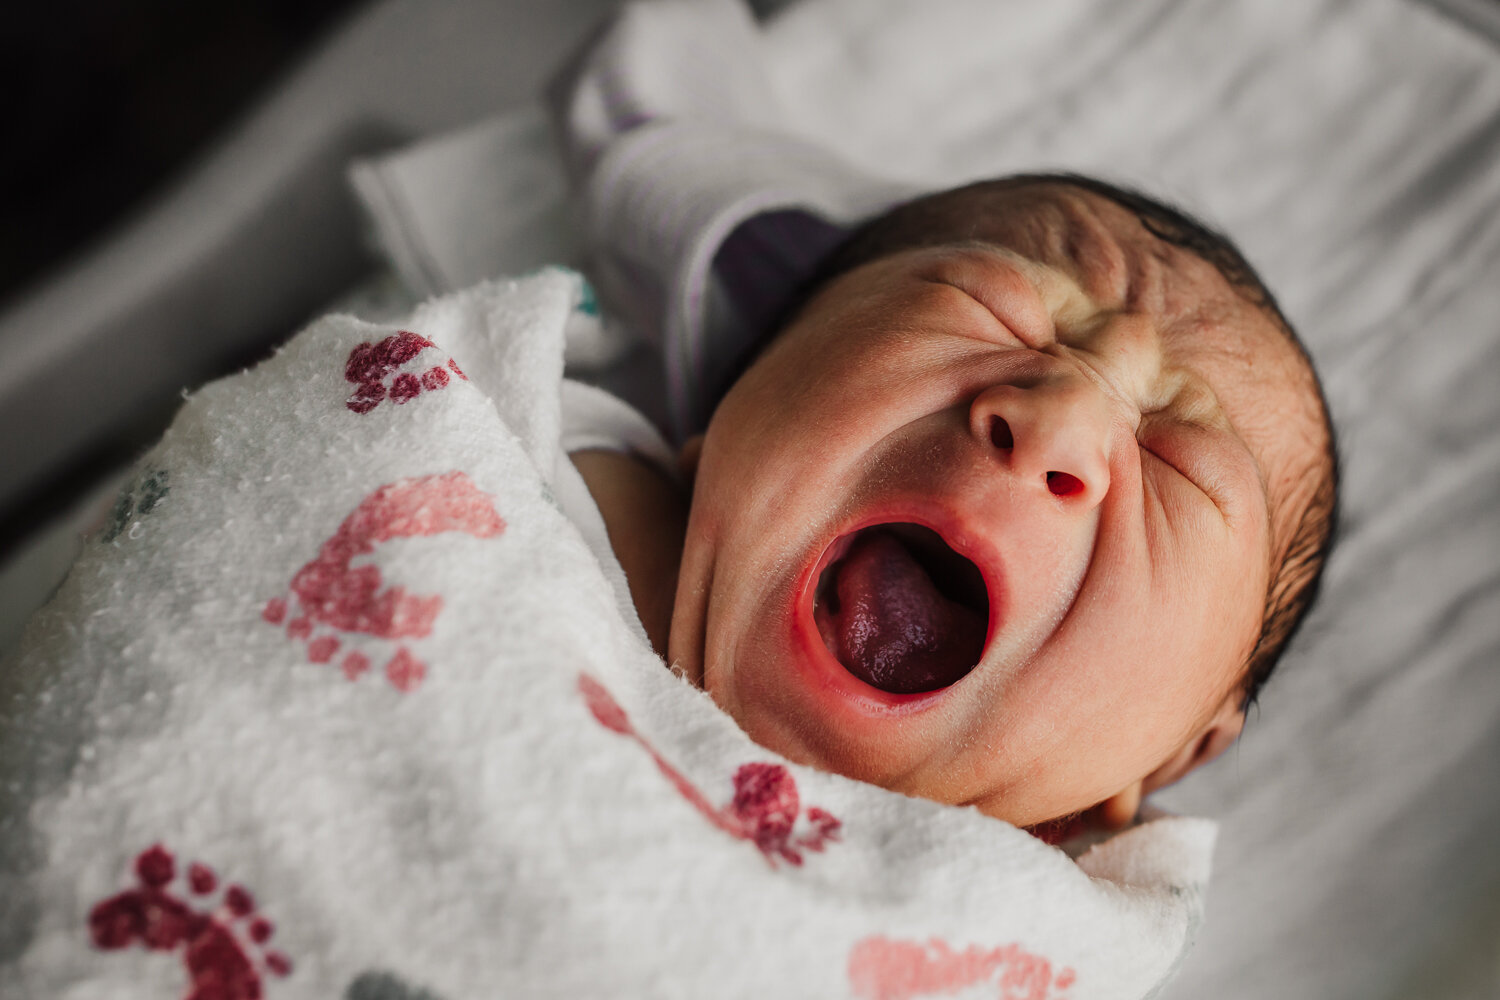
(992, 523)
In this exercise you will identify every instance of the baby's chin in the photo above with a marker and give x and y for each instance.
(1018, 806)
(851, 667)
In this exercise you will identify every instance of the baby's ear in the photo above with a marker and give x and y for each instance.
(1219, 736)
(687, 458)
(1118, 811)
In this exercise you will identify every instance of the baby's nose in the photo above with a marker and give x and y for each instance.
(1053, 435)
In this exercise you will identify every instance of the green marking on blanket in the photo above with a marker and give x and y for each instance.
(588, 304)
(384, 986)
(153, 489)
(551, 499)
(136, 501)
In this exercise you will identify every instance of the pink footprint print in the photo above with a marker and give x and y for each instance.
(882, 969)
(332, 592)
(369, 366)
(208, 939)
(765, 807)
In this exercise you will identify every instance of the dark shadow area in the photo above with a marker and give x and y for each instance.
(108, 99)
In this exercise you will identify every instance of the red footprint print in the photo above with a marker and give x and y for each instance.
(332, 592)
(370, 365)
(208, 938)
(882, 969)
(765, 808)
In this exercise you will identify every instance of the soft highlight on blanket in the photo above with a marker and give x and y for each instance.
(340, 704)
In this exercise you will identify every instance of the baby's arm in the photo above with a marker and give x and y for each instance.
(645, 514)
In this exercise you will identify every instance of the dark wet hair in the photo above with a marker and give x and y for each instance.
(929, 221)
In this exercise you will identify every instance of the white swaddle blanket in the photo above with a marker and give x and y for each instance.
(339, 704)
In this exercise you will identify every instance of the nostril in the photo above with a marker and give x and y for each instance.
(1061, 484)
(1000, 435)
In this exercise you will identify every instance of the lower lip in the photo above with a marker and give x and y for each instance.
(824, 670)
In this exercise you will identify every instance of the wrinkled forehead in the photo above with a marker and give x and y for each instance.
(1110, 249)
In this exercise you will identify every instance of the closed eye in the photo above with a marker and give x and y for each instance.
(1212, 461)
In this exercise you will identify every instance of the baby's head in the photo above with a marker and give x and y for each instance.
(1017, 510)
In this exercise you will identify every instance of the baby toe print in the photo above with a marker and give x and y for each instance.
(332, 599)
(765, 809)
(882, 969)
(370, 365)
(765, 802)
(211, 940)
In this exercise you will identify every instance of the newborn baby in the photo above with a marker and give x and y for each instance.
(1013, 512)
(1016, 510)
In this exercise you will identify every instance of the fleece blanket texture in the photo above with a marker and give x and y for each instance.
(340, 704)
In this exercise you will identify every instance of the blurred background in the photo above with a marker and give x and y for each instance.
(109, 102)
(108, 98)
(176, 201)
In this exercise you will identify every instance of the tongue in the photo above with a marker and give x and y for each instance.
(888, 623)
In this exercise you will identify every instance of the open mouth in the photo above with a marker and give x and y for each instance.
(900, 609)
